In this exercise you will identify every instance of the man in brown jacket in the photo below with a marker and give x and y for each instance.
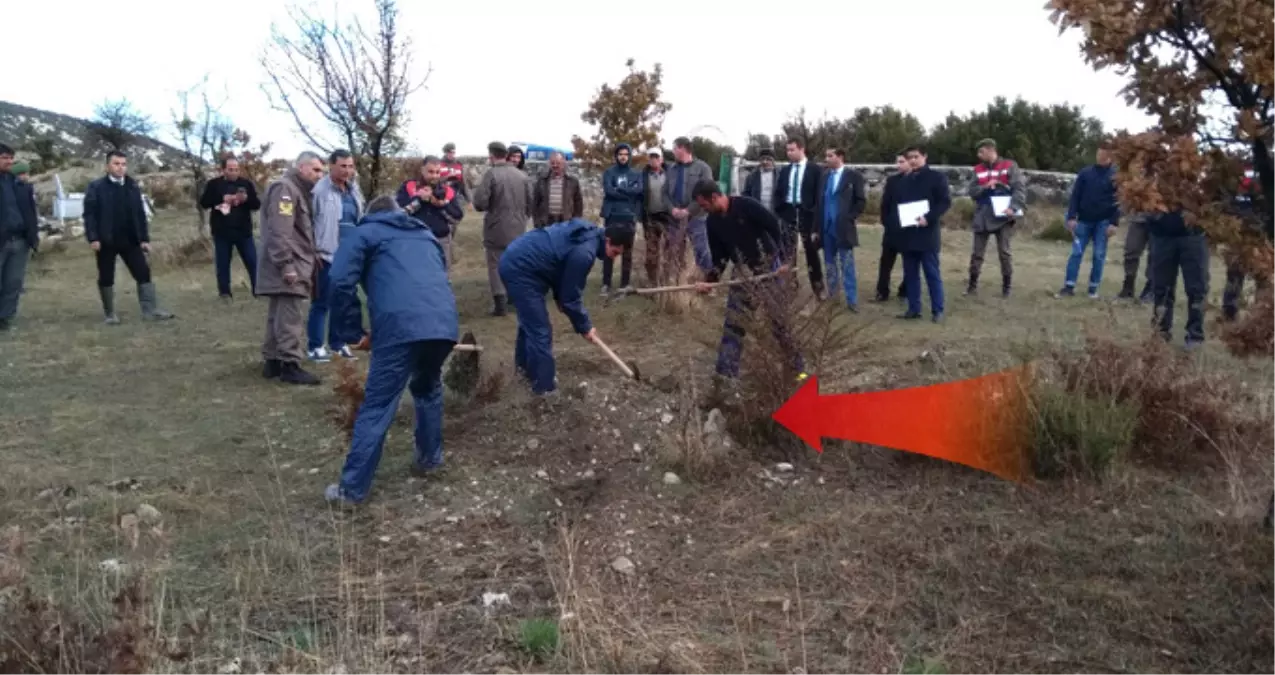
(285, 273)
(505, 198)
(558, 195)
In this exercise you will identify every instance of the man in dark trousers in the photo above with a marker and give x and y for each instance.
(890, 234)
(743, 232)
(656, 212)
(453, 172)
(688, 219)
(19, 235)
(760, 184)
(1136, 242)
(558, 197)
(505, 198)
(842, 197)
(1092, 215)
(554, 259)
(622, 208)
(1178, 246)
(231, 199)
(796, 198)
(995, 177)
(433, 202)
(115, 225)
(1245, 206)
(920, 238)
(403, 269)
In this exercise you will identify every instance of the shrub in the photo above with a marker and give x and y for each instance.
(538, 637)
(960, 215)
(1054, 229)
(872, 210)
(167, 192)
(183, 252)
(1079, 434)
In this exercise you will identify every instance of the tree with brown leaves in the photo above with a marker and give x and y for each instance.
(1205, 69)
(631, 112)
(345, 85)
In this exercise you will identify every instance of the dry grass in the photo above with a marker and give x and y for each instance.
(855, 561)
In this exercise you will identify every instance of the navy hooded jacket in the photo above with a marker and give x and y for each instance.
(556, 258)
(622, 190)
(403, 271)
(1170, 224)
(1093, 196)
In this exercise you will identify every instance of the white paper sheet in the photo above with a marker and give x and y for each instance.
(999, 204)
(911, 211)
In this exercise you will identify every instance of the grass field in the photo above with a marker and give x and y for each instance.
(860, 559)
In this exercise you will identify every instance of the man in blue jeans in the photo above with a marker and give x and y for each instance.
(1092, 216)
(841, 200)
(19, 235)
(230, 199)
(338, 206)
(415, 327)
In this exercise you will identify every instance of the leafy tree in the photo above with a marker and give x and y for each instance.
(631, 112)
(1205, 69)
(118, 125)
(818, 135)
(46, 149)
(756, 142)
(711, 152)
(869, 136)
(1047, 138)
(252, 158)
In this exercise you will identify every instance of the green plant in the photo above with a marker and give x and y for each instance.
(959, 216)
(1055, 229)
(538, 637)
(1078, 434)
(927, 665)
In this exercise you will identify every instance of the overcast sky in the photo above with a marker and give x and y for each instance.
(500, 73)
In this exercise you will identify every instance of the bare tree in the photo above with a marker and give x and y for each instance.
(345, 85)
(118, 125)
(204, 132)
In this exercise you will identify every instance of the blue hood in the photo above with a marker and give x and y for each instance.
(399, 219)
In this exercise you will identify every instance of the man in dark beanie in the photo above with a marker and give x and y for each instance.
(760, 184)
(115, 226)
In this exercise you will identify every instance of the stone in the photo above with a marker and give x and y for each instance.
(783, 467)
(623, 565)
(716, 422)
(671, 478)
(148, 514)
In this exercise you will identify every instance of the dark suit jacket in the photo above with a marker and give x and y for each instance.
(100, 213)
(810, 187)
(852, 197)
(572, 200)
(752, 188)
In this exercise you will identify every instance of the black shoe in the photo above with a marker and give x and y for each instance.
(6, 325)
(854, 309)
(909, 315)
(1126, 290)
(271, 369)
(1066, 292)
(1229, 313)
(937, 318)
(881, 297)
(498, 305)
(293, 373)
(1005, 288)
(972, 288)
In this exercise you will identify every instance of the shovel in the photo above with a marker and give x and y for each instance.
(630, 368)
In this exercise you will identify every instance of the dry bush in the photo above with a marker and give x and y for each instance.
(1254, 333)
(1184, 417)
(694, 447)
(183, 252)
(349, 396)
(490, 387)
(169, 191)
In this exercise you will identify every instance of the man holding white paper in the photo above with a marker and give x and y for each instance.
(999, 193)
(923, 196)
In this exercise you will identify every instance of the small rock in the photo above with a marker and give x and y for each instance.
(148, 514)
(112, 565)
(671, 478)
(637, 447)
(533, 444)
(623, 565)
(666, 418)
(384, 539)
(716, 422)
(783, 467)
(542, 474)
(506, 670)
(495, 599)
(124, 484)
(588, 473)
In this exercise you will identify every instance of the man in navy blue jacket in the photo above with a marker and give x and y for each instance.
(919, 241)
(622, 188)
(554, 259)
(414, 327)
(1175, 246)
(1092, 215)
(19, 235)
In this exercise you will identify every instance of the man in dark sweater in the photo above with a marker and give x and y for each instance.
(919, 235)
(19, 235)
(231, 199)
(115, 226)
(890, 237)
(1092, 215)
(1176, 245)
(742, 231)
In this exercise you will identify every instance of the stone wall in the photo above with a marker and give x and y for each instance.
(1046, 187)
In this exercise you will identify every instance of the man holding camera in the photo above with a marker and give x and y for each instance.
(433, 202)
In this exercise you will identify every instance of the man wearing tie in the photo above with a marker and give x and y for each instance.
(795, 203)
(840, 202)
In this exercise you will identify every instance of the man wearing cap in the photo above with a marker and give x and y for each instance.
(656, 211)
(505, 198)
(995, 177)
(19, 234)
(760, 184)
(453, 172)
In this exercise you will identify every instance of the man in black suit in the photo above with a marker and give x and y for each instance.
(796, 197)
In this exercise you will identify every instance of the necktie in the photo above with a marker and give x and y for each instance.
(830, 194)
(795, 180)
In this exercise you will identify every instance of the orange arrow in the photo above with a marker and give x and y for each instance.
(982, 422)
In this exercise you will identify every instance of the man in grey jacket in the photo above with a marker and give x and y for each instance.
(505, 198)
(338, 206)
(689, 219)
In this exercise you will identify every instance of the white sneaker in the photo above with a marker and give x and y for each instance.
(346, 353)
(319, 355)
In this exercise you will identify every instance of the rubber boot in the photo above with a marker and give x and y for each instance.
(150, 306)
(1126, 289)
(1006, 283)
(108, 305)
(271, 368)
(972, 287)
(497, 305)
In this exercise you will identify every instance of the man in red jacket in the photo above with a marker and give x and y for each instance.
(452, 172)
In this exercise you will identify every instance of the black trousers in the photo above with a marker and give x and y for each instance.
(1190, 255)
(134, 259)
(814, 254)
(888, 255)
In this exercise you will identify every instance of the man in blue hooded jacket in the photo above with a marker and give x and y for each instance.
(621, 208)
(554, 259)
(403, 269)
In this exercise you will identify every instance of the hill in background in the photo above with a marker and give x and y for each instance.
(68, 138)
